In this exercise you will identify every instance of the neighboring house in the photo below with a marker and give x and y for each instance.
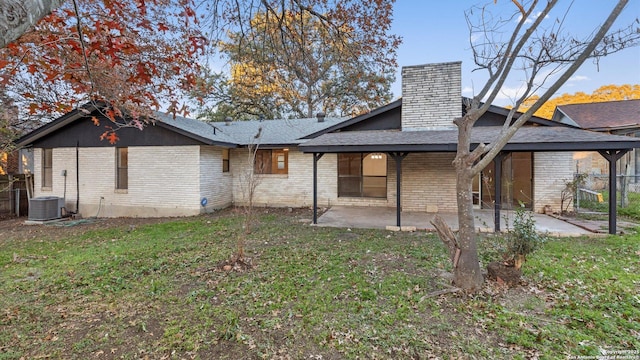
(181, 166)
(612, 117)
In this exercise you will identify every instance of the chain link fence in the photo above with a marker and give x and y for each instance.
(592, 188)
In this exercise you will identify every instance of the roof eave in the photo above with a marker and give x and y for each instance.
(55, 125)
(390, 106)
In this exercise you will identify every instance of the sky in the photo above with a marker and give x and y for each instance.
(437, 31)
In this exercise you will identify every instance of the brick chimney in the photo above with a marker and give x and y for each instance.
(431, 96)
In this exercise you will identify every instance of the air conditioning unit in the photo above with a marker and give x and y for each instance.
(45, 208)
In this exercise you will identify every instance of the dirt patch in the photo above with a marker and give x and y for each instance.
(15, 228)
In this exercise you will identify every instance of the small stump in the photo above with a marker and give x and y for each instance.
(504, 274)
(237, 264)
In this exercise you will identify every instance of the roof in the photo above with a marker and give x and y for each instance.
(602, 116)
(208, 133)
(375, 112)
(532, 138)
(274, 132)
(282, 132)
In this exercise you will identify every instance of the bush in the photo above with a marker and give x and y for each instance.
(522, 238)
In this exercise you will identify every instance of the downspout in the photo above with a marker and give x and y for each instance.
(77, 177)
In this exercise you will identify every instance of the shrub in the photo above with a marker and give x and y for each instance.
(522, 238)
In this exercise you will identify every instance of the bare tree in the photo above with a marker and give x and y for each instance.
(541, 53)
(249, 181)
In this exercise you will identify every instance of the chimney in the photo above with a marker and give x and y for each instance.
(431, 96)
(228, 120)
(320, 117)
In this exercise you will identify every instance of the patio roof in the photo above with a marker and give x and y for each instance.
(530, 138)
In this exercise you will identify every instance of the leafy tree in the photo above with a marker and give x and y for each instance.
(132, 55)
(531, 47)
(310, 69)
(602, 94)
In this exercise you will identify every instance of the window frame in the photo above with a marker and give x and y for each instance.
(358, 177)
(47, 168)
(267, 161)
(226, 154)
(122, 170)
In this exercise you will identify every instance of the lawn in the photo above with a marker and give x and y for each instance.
(630, 212)
(155, 291)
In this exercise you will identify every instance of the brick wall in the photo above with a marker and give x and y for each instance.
(551, 170)
(429, 183)
(215, 185)
(431, 95)
(163, 181)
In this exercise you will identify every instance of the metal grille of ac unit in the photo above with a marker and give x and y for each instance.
(45, 208)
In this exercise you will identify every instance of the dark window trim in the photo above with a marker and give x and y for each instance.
(226, 154)
(266, 161)
(47, 168)
(360, 178)
(122, 171)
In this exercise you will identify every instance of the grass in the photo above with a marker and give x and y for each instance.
(155, 291)
(630, 212)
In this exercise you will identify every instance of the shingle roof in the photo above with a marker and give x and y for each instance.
(273, 132)
(604, 115)
(195, 127)
(534, 138)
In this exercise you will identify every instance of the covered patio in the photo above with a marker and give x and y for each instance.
(398, 144)
(381, 217)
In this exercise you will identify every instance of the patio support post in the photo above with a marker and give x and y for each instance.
(316, 157)
(612, 157)
(398, 159)
(497, 183)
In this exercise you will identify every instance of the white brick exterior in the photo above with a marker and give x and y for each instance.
(431, 96)
(163, 181)
(171, 181)
(551, 170)
(429, 183)
(215, 185)
(294, 189)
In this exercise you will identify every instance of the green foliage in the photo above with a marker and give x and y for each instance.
(631, 211)
(522, 237)
(308, 69)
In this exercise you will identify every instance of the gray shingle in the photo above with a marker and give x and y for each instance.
(533, 138)
(274, 132)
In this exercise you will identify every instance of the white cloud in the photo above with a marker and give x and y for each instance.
(532, 17)
(579, 78)
(467, 90)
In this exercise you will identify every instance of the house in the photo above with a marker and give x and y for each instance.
(611, 117)
(399, 155)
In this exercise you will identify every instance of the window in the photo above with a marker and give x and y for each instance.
(47, 168)
(362, 175)
(275, 161)
(122, 168)
(225, 160)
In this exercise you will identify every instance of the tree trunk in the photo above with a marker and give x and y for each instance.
(17, 16)
(467, 272)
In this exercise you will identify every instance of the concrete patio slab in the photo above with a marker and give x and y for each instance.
(380, 218)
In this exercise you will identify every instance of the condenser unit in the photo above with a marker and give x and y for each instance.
(45, 208)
